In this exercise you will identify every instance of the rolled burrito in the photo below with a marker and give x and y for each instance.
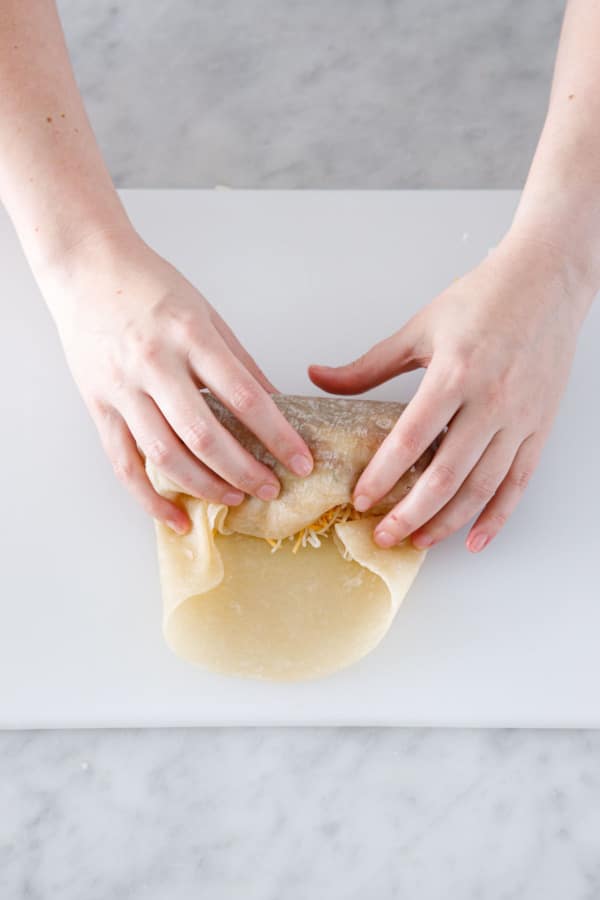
(294, 588)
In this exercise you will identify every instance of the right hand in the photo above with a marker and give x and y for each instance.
(140, 341)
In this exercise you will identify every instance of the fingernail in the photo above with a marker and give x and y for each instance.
(479, 542)
(267, 492)
(422, 540)
(301, 465)
(232, 498)
(177, 526)
(362, 502)
(384, 539)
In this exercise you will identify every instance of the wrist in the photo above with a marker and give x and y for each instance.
(567, 224)
(59, 246)
(554, 255)
(91, 242)
(61, 276)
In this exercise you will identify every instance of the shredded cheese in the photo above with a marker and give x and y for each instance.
(320, 528)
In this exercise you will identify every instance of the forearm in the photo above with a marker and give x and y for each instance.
(560, 204)
(53, 180)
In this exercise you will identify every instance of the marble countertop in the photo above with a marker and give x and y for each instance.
(266, 814)
(254, 94)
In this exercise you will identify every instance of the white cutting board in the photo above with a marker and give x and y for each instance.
(510, 637)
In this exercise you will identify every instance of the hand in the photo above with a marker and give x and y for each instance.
(497, 346)
(140, 342)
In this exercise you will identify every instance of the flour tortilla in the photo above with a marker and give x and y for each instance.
(234, 606)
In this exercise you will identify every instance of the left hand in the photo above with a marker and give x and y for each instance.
(497, 345)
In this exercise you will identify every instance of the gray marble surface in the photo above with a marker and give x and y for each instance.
(335, 94)
(253, 93)
(267, 814)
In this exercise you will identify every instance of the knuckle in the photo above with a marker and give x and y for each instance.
(498, 519)
(211, 491)
(187, 327)
(244, 397)
(360, 364)
(190, 329)
(482, 489)
(154, 506)
(495, 395)
(441, 530)
(520, 478)
(162, 306)
(166, 308)
(247, 481)
(456, 375)
(397, 522)
(123, 467)
(407, 441)
(158, 451)
(199, 437)
(203, 484)
(147, 352)
(442, 479)
(100, 410)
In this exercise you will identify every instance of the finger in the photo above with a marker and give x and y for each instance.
(184, 408)
(477, 490)
(157, 441)
(241, 352)
(502, 505)
(459, 452)
(390, 357)
(127, 464)
(227, 378)
(425, 417)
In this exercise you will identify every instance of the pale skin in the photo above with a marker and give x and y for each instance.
(139, 339)
(498, 344)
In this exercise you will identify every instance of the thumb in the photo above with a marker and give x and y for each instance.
(383, 361)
